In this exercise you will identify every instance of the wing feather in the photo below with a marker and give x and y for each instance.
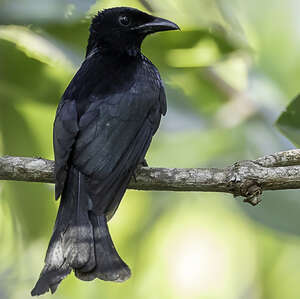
(64, 135)
(109, 134)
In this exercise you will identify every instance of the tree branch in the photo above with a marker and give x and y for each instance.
(278, 171)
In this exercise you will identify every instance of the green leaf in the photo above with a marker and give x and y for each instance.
(289, 121)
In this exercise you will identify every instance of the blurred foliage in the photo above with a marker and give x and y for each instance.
(229, 73)
(289, 121)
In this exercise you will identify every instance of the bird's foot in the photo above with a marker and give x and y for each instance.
(143, 163)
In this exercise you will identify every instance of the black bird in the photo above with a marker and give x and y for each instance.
(103, 127)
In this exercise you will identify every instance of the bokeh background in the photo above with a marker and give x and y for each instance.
(229, 74)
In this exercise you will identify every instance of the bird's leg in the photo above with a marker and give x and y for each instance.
(142, 163)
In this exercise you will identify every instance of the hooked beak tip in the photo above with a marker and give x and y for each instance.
(158, 24)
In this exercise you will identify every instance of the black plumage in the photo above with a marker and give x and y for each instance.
(103, 128)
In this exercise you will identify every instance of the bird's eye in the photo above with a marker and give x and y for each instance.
(124, 20)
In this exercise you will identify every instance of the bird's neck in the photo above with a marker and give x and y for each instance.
(108, 49)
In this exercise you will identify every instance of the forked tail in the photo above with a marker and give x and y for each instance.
(80, 241)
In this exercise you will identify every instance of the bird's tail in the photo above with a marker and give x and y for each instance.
(80, 242)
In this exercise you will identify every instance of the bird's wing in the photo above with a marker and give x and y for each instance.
(162, 94)
(64, 135)
(114, 135)
(106, 134)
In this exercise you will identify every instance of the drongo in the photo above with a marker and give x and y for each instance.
(103, 127)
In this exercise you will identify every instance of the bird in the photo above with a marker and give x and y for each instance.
(102, 130)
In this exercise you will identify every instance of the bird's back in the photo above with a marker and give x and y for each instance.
(111, 111)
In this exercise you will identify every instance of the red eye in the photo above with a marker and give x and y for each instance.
(124, 20)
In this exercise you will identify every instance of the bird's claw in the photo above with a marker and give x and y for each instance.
(143, 163)
(134, 176)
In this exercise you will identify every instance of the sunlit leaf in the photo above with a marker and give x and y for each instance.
(289, 121)
(34, 45)
(28, 78)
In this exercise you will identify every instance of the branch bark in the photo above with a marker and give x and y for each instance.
(278, 171)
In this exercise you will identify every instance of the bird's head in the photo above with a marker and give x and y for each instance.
(122, 29)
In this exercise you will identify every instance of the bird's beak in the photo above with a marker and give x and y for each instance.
(156, 25)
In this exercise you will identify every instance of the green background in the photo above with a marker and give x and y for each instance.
(229, 74)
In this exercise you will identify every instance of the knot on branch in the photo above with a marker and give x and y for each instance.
(244, 181)
(252, 193)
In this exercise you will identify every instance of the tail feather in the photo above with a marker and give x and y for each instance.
(80, 242)
(109, 265)
(50, 278)
(78, 238)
